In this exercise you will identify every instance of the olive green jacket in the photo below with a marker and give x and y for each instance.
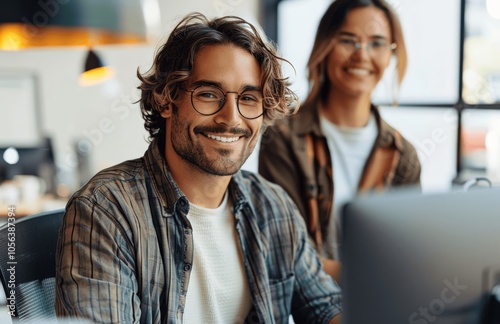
(295, 155)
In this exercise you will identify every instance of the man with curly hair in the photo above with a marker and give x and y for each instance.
(182, 234)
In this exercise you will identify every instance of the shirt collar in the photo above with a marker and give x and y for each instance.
(306, 121)
(239, 188)
(165, 188)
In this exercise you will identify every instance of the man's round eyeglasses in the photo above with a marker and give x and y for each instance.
(208, 100)
(375, 47)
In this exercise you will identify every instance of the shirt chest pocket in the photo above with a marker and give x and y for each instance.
(281, 295)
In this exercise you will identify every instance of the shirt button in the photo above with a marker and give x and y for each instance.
(187, 266)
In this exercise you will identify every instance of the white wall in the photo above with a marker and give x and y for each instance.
(105, 114)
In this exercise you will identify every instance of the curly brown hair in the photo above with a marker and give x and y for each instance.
(173, 64)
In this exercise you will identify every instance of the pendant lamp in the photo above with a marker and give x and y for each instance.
(35, 23)
(95, 71)
(52, 23)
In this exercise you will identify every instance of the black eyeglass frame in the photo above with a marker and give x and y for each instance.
(222, 101)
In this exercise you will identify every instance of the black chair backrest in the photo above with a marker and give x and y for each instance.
(27, 264)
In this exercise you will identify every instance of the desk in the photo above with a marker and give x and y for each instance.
(26, 208)
(27, 195)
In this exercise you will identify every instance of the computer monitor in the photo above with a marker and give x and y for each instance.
(421, 258)
(37, 160)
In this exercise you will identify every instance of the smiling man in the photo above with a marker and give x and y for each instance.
(181, 234)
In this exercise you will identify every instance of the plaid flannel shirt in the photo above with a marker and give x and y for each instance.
(125, 250)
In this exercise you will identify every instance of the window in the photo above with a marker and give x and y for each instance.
(481, 77)
(453, 71)
(19, 108)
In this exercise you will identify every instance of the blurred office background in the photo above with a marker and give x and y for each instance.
(448, 103)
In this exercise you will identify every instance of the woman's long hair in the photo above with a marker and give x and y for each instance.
(329, 25)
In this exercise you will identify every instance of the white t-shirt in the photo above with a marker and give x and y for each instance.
(349, 150)
(218, 290)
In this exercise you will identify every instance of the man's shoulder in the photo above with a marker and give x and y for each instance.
(115, 178)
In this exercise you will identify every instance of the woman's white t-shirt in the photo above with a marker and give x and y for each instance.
(349, 150)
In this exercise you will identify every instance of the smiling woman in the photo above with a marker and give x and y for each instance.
(338, 139)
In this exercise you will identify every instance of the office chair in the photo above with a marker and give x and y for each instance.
(30, 261)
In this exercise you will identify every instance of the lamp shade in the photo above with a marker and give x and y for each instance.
(33, 23)
(95, 71)
(93, 61)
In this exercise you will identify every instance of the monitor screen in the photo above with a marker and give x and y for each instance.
(420, 258)
(28, 160)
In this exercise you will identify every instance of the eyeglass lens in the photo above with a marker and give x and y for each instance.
(374, 47)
